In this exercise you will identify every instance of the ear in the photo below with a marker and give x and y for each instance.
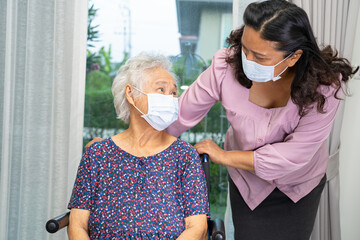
(128, 90)
(294, 58)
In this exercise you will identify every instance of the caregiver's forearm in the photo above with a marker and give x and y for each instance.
(239, 159)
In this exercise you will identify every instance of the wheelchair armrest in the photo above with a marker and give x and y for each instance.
(59, 222)
(217, 229)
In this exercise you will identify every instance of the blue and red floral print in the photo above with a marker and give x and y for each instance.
(133, 197)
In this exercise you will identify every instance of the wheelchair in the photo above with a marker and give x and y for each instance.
(216, 228)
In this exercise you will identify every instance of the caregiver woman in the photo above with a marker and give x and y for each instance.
(281, 94)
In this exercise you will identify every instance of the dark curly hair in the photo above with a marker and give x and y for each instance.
(288, 26)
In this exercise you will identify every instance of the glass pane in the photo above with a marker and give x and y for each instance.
(189, 32)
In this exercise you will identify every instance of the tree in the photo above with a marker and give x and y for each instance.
(99, 116)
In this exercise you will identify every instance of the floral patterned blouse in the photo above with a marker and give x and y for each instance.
(133, 197)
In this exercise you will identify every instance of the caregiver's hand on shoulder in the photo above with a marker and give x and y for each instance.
(216, 154)
(94, 140)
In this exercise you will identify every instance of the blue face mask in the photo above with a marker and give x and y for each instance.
(260, 73)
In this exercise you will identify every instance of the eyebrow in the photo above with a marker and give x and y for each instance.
(164, 83)
(256, 53)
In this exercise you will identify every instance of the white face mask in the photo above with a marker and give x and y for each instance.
(260, 73)
(162, 110)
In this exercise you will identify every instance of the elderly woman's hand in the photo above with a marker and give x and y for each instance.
(195, 228)
(216, 154)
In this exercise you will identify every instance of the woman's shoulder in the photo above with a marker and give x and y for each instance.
(186, 150)
(332, 96)
(221, 56)
(99, 148)
(331, 93)
(221, 67)
(184, 145)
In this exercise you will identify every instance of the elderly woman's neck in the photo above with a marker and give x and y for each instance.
(146, 136)
(143, 141)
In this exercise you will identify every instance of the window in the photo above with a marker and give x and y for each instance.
(189, 32)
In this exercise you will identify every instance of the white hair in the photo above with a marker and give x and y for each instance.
(133, 72)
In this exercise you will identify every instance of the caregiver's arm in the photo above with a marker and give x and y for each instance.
(274, 161)
(236, 159)
(198, 99)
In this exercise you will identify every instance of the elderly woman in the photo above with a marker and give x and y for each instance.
(142, 183)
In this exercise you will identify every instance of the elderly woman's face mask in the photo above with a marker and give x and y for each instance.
(162, 110)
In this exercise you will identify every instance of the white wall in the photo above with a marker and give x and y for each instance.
(350, 155)
(209, 33)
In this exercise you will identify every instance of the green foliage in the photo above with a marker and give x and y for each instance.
(92, 32)
(187, 68)
(188, 74)
(218, 190)
(106, 57)
(102, 60)
(99, 117)
(93, 61)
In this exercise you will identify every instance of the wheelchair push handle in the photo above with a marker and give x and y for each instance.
(206, 166)
(57, 223)
(205, 157)
(217, 229)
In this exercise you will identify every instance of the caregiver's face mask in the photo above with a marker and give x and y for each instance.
(260, 73)
(162, 110)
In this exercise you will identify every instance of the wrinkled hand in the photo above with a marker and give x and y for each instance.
(94, 140)
(216, 154)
